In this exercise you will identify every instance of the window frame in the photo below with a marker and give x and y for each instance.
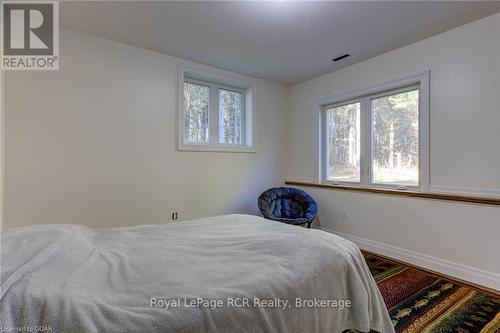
(217, 80)
(364, 97)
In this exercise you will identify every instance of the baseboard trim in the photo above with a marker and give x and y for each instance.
(453, 269)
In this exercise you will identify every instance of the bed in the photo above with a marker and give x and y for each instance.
(231, 273)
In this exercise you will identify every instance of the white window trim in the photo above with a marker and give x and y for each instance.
(422, 81)
(217, 79)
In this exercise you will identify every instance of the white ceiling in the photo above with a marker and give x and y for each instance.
(283, 41)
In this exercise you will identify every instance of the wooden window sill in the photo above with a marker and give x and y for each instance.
(404, 193)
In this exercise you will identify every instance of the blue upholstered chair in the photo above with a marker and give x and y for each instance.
(288, 205)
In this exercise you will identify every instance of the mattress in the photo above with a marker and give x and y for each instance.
(231, 273)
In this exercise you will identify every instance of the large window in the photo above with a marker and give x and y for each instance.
(378, 137)
(214, 113)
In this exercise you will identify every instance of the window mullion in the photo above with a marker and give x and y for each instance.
(366, 134)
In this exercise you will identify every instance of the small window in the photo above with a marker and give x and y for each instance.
(215, 113)
(378, 137)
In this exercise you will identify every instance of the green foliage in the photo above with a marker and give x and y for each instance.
(395, 128)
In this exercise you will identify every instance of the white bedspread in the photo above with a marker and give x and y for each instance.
(182, 277)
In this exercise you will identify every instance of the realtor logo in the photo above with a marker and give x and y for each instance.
(30, 35)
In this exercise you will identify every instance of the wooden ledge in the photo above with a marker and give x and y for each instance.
(412, 194)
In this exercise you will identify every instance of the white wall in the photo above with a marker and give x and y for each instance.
(2, 99)
(94, 143)
(464, 153)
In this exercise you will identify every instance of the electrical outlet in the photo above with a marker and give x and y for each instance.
(345, 214)
(174, 216)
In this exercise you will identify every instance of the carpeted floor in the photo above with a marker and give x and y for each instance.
(420, 302)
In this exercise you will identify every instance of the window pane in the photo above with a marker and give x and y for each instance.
(196, 101)
(343, 143)
(230, 117)
(395, 139)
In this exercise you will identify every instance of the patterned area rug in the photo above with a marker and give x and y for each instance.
(420, 302)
